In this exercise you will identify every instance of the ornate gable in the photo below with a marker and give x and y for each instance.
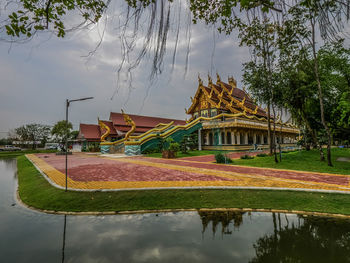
(223, 96)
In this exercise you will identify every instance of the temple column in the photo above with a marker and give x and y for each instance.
(238, 138)
(262, 138)
(207, 141)
(233, 139)
(199, 139)
(220, 141)
(254, 138)
(246, 138)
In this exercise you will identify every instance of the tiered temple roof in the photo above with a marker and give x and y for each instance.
(143, 123)
(118, 127)
(90, 132)
(225, 97)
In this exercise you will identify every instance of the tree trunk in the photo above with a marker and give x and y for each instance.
(269, 127)
(280, 136)
(314, 138)
(274, 134)
(320, 93)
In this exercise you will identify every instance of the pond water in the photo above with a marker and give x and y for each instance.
(29, 236)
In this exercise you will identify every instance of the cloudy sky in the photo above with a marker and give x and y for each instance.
(37, 77)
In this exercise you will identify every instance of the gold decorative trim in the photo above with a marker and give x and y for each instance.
(104, 126)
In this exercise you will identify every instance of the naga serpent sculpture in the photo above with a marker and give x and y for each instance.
(130, 122)
(104, 126)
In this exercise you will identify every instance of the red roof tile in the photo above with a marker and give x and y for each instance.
(141, 121)
(111, 127)
(89, 132)
(125, 129)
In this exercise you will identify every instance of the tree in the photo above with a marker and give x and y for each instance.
(260, 73)
(60, 130)
(34, 133)
(301, 92)
(74, 135)
(33, 16)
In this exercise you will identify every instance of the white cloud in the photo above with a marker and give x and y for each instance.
(38, 76)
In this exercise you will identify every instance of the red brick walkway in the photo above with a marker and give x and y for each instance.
(93, 172)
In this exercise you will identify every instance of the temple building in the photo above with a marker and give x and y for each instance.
(224, 116)
(90, 134)
(243, 123)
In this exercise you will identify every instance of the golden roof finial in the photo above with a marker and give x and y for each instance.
(186, 111)
(209, 79)
(232, 82)
(191, 98)
(256, 110)
(200, 82)
(218, 80)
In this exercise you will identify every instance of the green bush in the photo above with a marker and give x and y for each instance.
(184, 144)
(247, 157)
(222, 158)
(174, 147)
(261, 155)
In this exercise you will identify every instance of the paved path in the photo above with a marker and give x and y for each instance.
(93, 172)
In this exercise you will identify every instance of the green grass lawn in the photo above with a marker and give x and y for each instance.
(14, 154)
(35, 191)
(302, 160)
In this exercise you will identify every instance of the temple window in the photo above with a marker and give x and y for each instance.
(213, 112)
(195, 115)
(222, 138)
(241, 137)
(250, 139)
(204, 113)
(211, 139)
(228, 138)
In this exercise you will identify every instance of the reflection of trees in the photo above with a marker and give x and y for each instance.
(223, 217)
(314, 240)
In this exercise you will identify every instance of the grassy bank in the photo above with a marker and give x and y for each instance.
(304, 161)
(14, 154)
(35, 191)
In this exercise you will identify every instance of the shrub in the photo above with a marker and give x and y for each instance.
(184, 144)
(222, 158)
(261, 155)
(247, 157)
(174, 147)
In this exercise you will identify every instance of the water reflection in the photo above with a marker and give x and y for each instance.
(225, 218)
(295, 238)
(315, 240)
(64, 237)
(28, 236)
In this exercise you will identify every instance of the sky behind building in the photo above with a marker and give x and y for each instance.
(37, 77)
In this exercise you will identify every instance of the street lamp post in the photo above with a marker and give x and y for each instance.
(67, 106)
